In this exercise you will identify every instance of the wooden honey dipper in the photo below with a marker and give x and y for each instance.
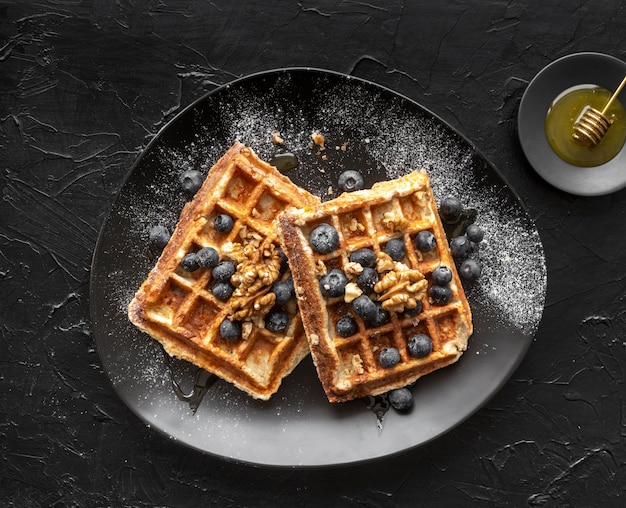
(592, 124)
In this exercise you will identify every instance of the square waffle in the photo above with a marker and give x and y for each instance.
(178, 308)
(350, 367)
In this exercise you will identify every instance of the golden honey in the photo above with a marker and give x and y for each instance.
(565, 111)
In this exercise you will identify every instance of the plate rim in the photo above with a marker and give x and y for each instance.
(145, 150)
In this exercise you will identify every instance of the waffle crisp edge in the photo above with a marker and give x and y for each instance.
(316, 319)
(184, 343)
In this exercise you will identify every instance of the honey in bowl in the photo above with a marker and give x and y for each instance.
(565, 111)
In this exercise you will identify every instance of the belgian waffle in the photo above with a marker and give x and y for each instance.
(349, 367)
(177, 307)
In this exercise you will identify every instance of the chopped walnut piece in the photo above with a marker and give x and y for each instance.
(318, 139)
(320, 268)
(389, 280)
(352, 292)
(277, 139)
(249, 236)
(393, 221)
(230, 249)
(353, 268)
(246, 308)
(246, 330)
(384, 263)
(355, 225)
(264, 303)
(398, 303)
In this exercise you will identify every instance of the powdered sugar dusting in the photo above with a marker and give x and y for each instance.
(399, 140)
(513, 280)
(365, 128)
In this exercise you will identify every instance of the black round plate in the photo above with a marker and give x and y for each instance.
(382, 134)
(562, 74)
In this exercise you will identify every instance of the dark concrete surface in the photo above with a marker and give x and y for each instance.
(84, 85)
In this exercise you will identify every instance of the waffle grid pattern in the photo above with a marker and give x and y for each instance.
(357, 370)
(178, 308)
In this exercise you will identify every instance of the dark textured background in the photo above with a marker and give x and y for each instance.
(84, 85)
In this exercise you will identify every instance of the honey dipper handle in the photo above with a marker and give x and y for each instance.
(614, 96)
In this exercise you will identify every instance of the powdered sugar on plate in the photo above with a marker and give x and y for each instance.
(386, 139)
(513, 280)
(382, 135)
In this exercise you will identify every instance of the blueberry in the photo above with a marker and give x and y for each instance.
(222, 290)
(364, 307)
(191, 181)
(333, 284)
(475, 233)
(276, 320)
(230, 330)
(158, 238)
(450, 209)
(350, 180)
(425, 241)
(346, 326)
(381, 316)
(223, 271)
(292, 286)
(395, 249)
(460, 246)
(190, 263)
(223, 223)
(208, 257)
(470, 269)
(442, 275)
(367, 279)
(284, 263)
(420, 345)
(400, 399)
(389, 357)
(365, 257)
(440, 295)
(324, 239)
(283, 291)
(415, 310)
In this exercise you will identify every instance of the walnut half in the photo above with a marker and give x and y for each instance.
(257, 269)
(401, 288)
